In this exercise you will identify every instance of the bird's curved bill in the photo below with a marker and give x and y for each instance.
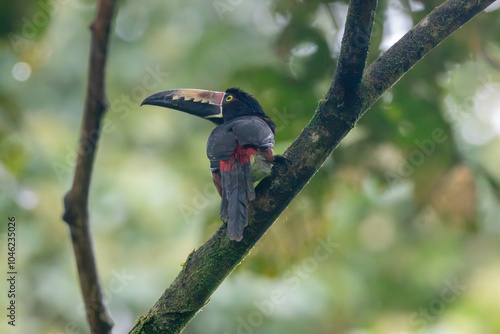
(201, 103)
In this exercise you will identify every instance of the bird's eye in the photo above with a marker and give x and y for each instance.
(229, 98)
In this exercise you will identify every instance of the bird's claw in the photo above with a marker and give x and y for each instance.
(281, 159)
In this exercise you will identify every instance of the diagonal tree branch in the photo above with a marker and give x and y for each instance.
(208, 266)
(342, 107)
(76, 200)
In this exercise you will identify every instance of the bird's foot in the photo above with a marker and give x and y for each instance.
(281, 159)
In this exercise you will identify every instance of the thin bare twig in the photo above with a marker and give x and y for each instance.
(76, 200)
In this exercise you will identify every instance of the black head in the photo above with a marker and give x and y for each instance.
(237, 103)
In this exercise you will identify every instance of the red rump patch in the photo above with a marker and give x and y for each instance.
(241, 155)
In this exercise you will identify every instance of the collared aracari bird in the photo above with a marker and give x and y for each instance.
(240, 148)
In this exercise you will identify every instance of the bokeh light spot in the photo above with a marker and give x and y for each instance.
(21, 71)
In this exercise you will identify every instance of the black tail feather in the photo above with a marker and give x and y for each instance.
(223, 214)
(237, 192)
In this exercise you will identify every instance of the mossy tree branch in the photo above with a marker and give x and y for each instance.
(208, 266)
(76, 200)
(351, 94)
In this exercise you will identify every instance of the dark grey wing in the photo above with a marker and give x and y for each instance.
(246, 131)
(253, 131)
(221, 143)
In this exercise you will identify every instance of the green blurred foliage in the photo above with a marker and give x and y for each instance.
(397, 233)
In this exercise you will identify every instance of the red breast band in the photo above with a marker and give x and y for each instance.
(241, 155)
